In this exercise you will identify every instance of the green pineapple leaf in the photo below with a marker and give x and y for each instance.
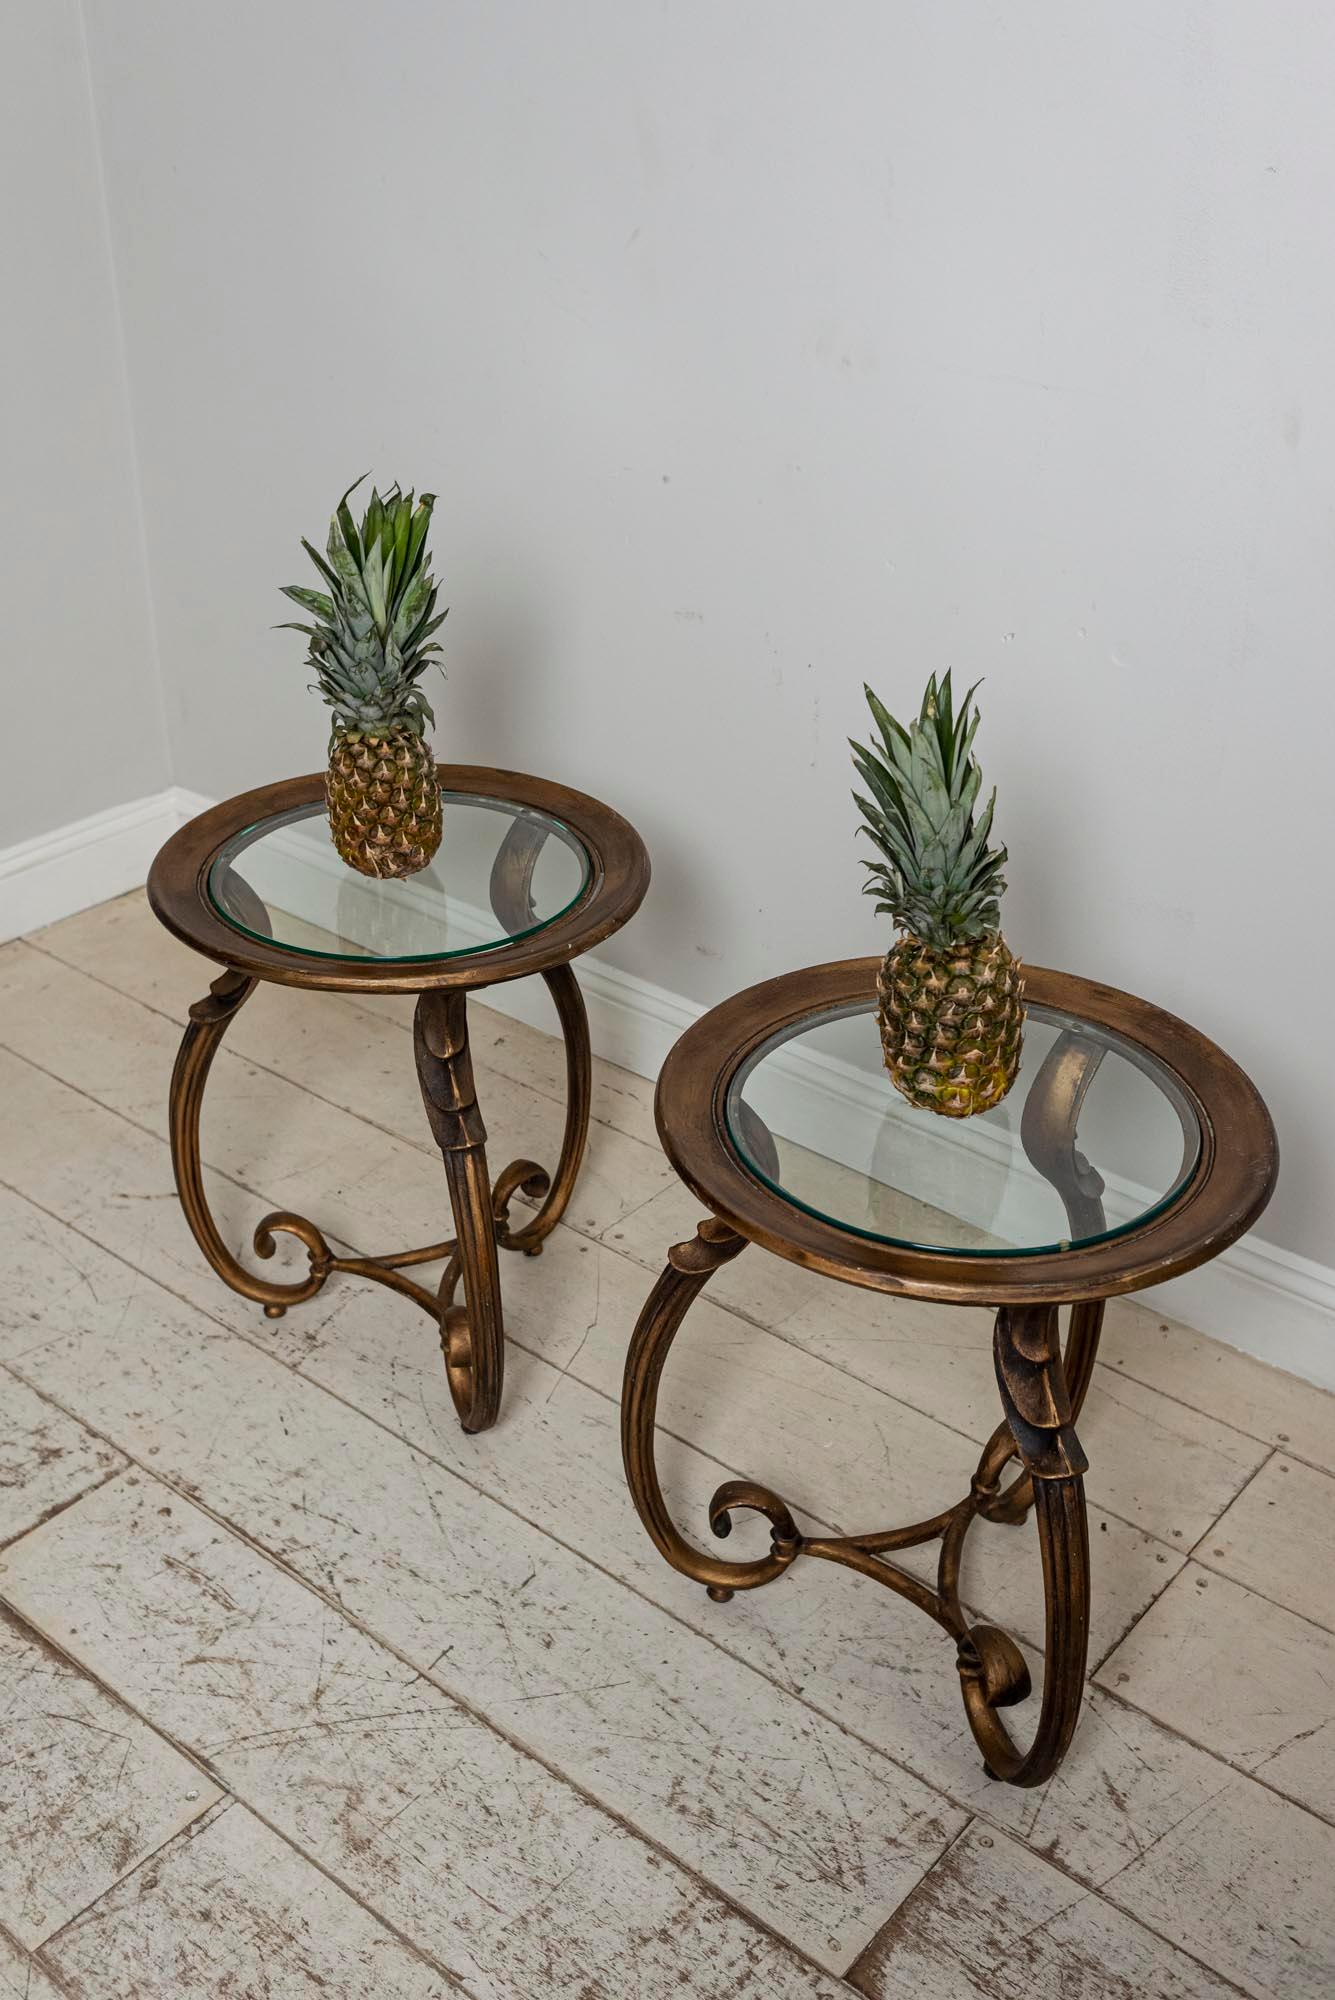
(421, 521)
(310, 600)
(941, 880)
(373, 640)
(371, 527)
(343, 515)
(330, 576)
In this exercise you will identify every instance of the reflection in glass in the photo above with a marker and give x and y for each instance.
(1095, 1137)
(502, 872)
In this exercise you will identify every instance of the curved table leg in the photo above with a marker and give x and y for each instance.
(689, 1268)
(526, 1175)
(1047, 1132)
(1039, 1426)
(1034, 1394)
(472, 1335)
(511, 890)
(209, 1021)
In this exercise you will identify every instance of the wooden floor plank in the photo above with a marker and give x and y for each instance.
(46, 1459)
(86, 1789)
(493, 1867)
(1281, 1409)
(234, 1911)
(1232, 1670)
(263, 1124)
(1129, 1787)
(735, 1390)
(850, 1648)
(991, 1921)
(21, 1978)
(83, 1165)
(558, 1441)
(1235, 1875)
(45, 1263)
(1270, 1536)
(854, 1652)
(777, 1807)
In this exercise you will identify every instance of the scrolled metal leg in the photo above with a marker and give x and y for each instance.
(511, 891)
(525, 1175)
(689, 1268)
(472, 1335)
(1048, 1127)
(1039, 1427)
(209, 1022)
(1039, 1418)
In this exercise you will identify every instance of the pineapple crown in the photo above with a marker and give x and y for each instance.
(372, 642)
(938, 879)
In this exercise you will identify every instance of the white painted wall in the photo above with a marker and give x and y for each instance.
(83, 724)
(754, 349)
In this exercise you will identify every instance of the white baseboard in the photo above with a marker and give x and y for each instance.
(70, 869)
(1263, 1299)
(189, 805)
(1257, 1297)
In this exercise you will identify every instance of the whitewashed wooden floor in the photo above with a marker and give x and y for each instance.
(304, 1693)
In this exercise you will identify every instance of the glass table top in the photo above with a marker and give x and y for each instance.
(502, 872)
(813, 1113)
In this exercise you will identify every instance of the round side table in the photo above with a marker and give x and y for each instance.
(529, 874)
(776, 1112)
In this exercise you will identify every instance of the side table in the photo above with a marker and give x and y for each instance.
(529, 875)
(775, 1111)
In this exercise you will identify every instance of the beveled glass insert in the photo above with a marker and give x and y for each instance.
(1095, 1136)
(283, 883)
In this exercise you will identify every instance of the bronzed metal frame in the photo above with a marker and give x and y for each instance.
(1042, 1387)
(471, 1332)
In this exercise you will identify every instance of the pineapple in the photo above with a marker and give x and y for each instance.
(950, 994)
(369, 648)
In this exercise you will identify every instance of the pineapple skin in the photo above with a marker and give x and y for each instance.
(384, 800)
(952, 1022)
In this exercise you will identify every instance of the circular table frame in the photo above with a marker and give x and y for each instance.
(472, 1334)
(1042, 1384)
